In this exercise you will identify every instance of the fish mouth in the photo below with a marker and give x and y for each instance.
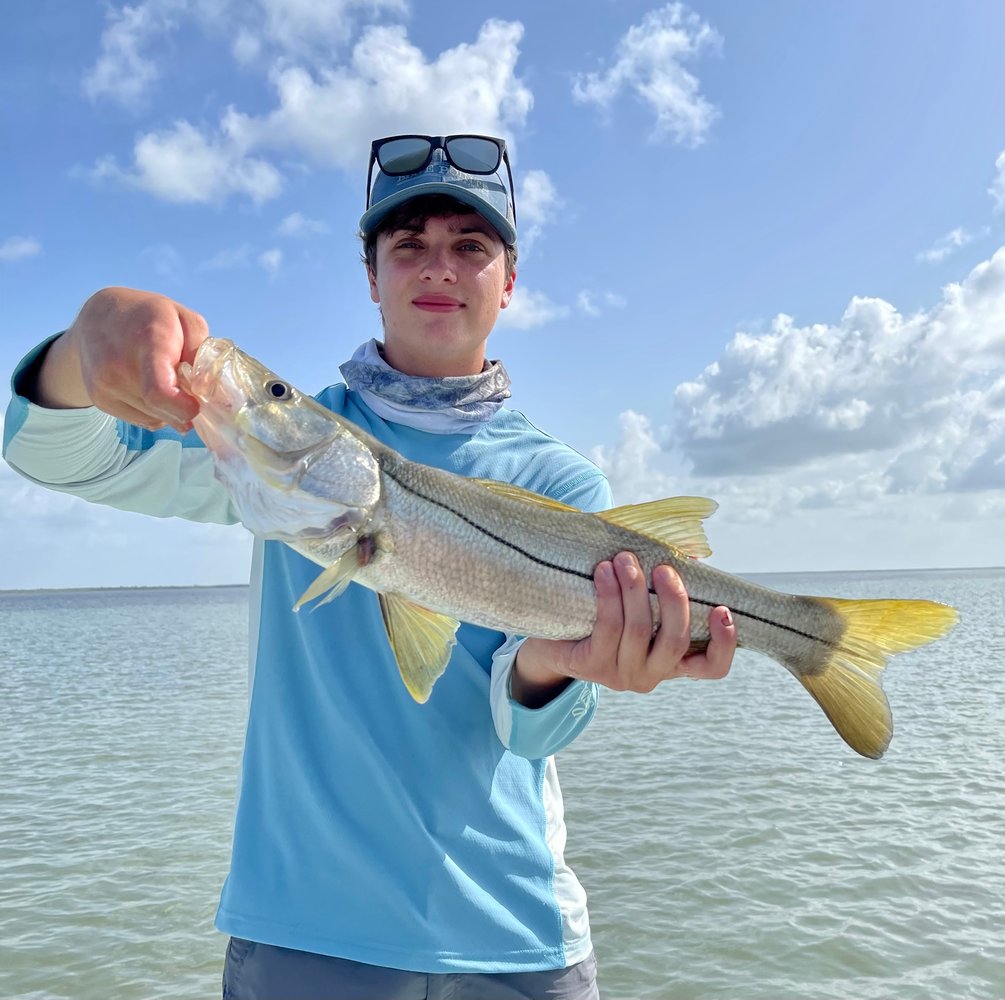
(203, 378)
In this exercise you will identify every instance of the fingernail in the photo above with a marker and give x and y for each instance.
(626, 561)
(727, 618)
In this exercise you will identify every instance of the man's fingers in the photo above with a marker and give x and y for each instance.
(713, 664)
(610, 617)
(674, 636)
(194, 329)
(637, 632)
(163, 395)
(721, 644)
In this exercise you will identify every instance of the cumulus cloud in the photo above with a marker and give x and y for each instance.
(306, 28)
(528, 309)
(328, 116)
(537, 206)
(137, 36)
(331, 115)
(915, 400)
(648, 63)
(183, 165)
(633, 465)
(126, 69)
(18, 247)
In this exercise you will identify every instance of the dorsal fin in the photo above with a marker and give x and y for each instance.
(511, 492)
(675, 521)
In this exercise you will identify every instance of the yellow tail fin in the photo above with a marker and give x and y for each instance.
(848, 688)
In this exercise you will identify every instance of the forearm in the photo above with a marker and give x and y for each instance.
(532, 730)
(57, 383)
(536, 677)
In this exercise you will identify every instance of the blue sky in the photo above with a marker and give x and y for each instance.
(761, 244)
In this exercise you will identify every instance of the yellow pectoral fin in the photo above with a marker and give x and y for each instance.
(334, 579)
(511, 492)
(421, 639)
(675, 521)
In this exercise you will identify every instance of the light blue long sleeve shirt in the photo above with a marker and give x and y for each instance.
(424, 837)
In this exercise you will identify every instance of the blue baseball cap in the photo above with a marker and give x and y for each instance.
(485, 194)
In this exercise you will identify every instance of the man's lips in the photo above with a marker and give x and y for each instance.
(437, 303)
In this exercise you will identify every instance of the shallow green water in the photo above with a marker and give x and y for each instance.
(732, 846)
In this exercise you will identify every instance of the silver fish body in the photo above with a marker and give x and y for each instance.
(440, 549)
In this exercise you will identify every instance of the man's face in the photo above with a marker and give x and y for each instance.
(440, 292)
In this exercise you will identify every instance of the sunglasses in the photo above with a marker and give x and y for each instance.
(398, 155)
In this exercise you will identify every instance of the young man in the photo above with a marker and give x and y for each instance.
(382, 848)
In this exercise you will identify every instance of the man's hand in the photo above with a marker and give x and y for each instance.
(121, 355)
(622, 653)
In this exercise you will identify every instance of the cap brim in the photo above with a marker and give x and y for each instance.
(376, 213)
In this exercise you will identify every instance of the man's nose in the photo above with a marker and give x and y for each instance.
(439, 266)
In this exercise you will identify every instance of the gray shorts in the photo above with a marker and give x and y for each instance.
(264, 972)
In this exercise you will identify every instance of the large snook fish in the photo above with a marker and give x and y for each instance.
(439, 548)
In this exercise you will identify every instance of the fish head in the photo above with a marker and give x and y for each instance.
(295, 471)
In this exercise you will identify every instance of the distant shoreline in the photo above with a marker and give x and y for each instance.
(139, 586)
(758, 575)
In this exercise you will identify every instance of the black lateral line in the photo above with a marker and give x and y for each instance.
(586, 576)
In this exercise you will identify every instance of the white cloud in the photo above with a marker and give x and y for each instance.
(875, 442)
(648, 62)
(594, 303)
(833, 513)
(182, 165)
(946, 245)
(633, 466)
(997, 189)
(137, 35)
(330, 116)
(125, 71)
(297, 225)
(537, 205)
(528, 309)
(388, 85)
(906, 404)
(19, 247)
(271, 261)
(305, 28)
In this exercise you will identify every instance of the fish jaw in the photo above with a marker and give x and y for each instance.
(295, 471)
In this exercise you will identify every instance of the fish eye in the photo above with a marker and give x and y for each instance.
(278, 389)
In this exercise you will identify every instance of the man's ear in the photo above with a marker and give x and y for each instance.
(372, 279)
(507, 292)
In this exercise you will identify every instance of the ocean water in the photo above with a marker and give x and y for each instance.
(732, 846)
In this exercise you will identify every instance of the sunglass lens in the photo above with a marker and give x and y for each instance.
(403, 156)
(474, 154)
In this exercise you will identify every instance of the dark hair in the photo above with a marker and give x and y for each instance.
(412, 215)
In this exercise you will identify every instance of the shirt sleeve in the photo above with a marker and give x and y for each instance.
(92, 455)
(541, 732)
